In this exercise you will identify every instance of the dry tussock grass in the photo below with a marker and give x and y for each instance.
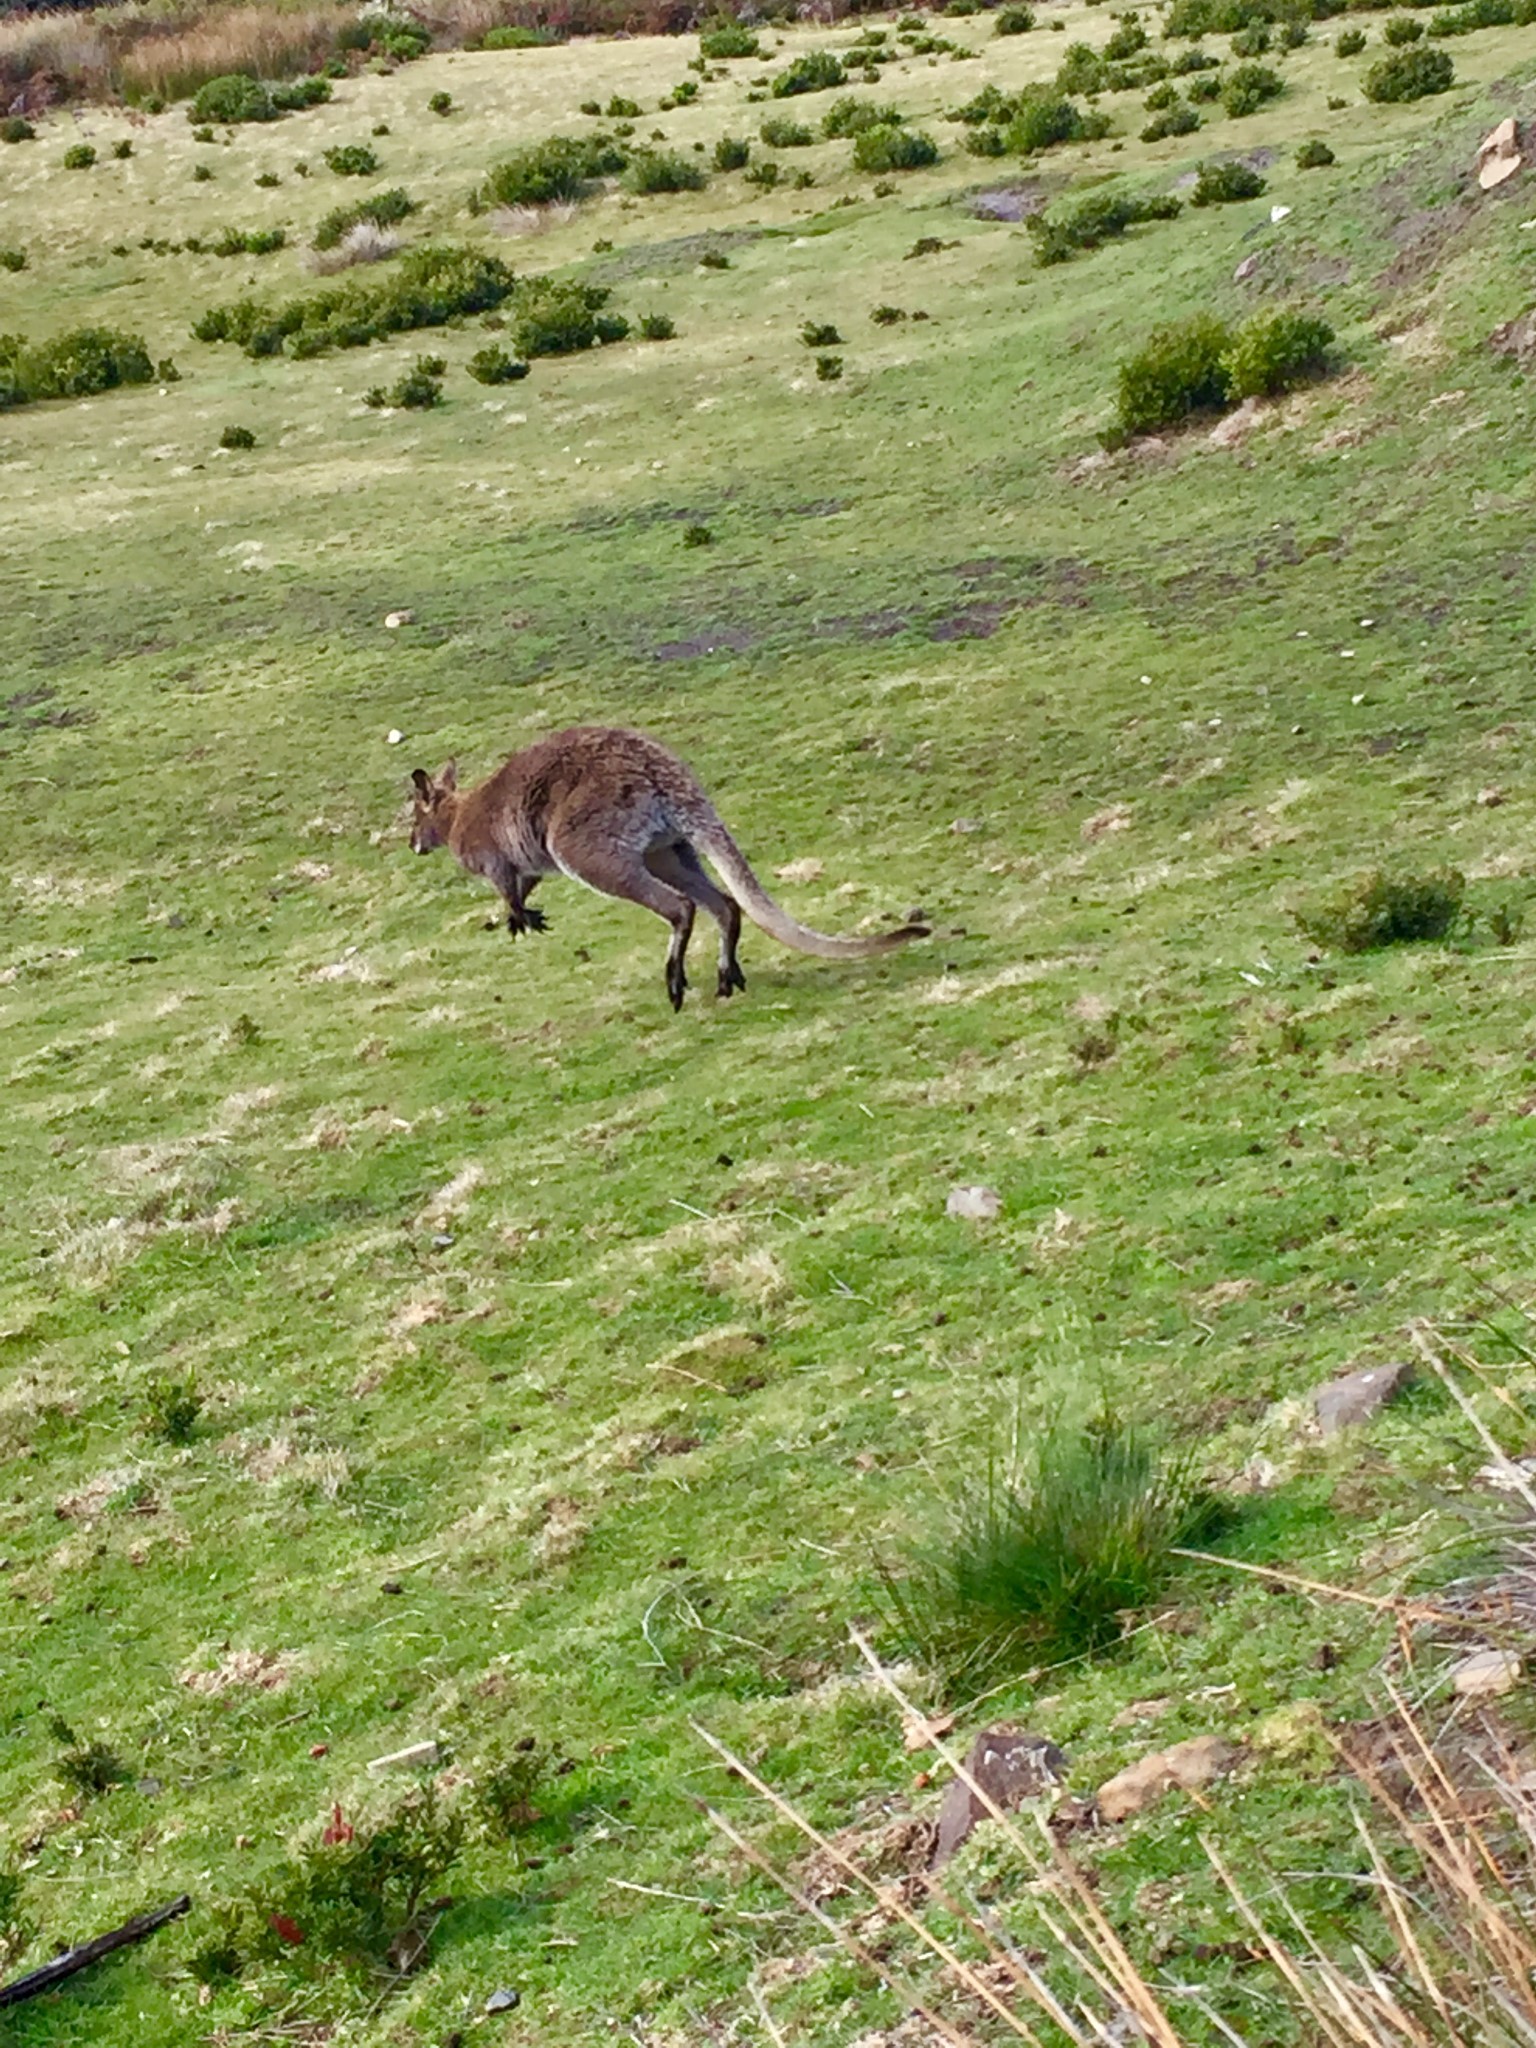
(266, 1670)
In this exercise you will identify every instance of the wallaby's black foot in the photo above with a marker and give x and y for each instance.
(731, 977)
(677, 983)
(534, 920)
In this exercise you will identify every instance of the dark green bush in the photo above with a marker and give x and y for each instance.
(564, 167)
(719, 40)
(820, 334)
(425, 289)
(1314, 156)
(237, 437)
(384, 210)
(510, 36)
(657, 327)
(231, 99)
(1275, 353)
(1013, 21)
(621, 109)
(732, 152)
(175, 1403)
(440, 103)
(268, 181)
(352, 160)
(894, 149)
(1252, 41)
(1100, 217)
(247, 242)
(990, 105)
(1177, 371)
(680, 95)
(886, 316)
(1409, 75)
(1179, 119)
(505, 1784)
(1042, 123)
(1081, 69)
(716, 259)
(292, 95)
(816, 71)
(13, 128)
(554, 318)
(1221, 184)
(1164, 95)
(1294, 35)
(829, 368)
(655, 170)
(986, 142)
(780, 132)
(202, 174)
(1401, 29)
(492, 365)
(74, 365)
(1125, 40)
(13, 259)
(418, 390)
(850, 116)
(78, 157)
(1205, 89)
(1476, 14)
(764, 175)
(404, 41)
(697, 536)
(1248, 87)
(84, 1767)
(122, 150)
(1351, 42)
(1192, 60)
(1385, 907)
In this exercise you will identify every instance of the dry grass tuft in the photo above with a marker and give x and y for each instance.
(266, 1670)
(534, 220)
(364, 243)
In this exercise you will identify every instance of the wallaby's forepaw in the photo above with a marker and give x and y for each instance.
(534, 920)
(731, 978)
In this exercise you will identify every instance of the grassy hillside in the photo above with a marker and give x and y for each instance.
(568, 1366)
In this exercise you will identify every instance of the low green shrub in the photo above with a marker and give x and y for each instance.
(555, 318)
(1476, 14)
(1401, 29)
(383, 209)
(764, 175)
(1205, 89)
(268, 181)
(1252, 41)
(820, 334)
(86, 1768)
(680, 96)
(492, 365)
(234, 98)
(564, 167)
(418, 390)
(14, 128)
(697, 536)
(654, 170)
(351, 160)
(1221, 184)
(1100, 217)
(202, 174)
(719, 40)
(1351, 42)
(990, 105)
(13, 259)
(1188, 61)
(1013, 21)
(1179, 119)
(247, 242)
(174, 1401)
(78, 364)
(778, 131)
(1125, 40)
(1249, 87)
(1294, 35)
(505, 1785)
(986, 142)
(850, 116)
(732, 153)
(1274, 353)
(621, 109)
(293, 95)
(512, 36)
(816, 71)
(440, 103)
(894, 149)
(78, 157)
(657, 327)
(1177, 371)
(886, 316)
(1412, 74)
(1314, 156)
(237, 437)
(1384, 907)
(122, 150)
(1043, 123)
(829, 368)
(716, 259)
(1081, 69)
(426, 288)
(1161, 96)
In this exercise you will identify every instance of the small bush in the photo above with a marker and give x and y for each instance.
(79, 157)
(379, 128)
(510, 36)
(175, 1404)
(79, 364)
(13, 128)
(1042, 123)
(1189, 61)
(492, 365)
(247, 242)
(1042, 1564)
(1179, 119)
(418, 390)
(778, 131)
(681, 95)
(1401, 29)
(657, 327)
(1178, 371)
(816, 71)
(820, 334)
(1013, 21)
(850, 116)
(654, 170)
(1100, 217)
(229, 100)
(719, 40)
(122, 150)
(1274, 353)
(764, 175)
(829, 368)
(1294, 35)
(1385, 907)
(732, 153)
(383, 210)
(1314, 156)
(554, 318)
(13, 259)
(1351, 42)
(428, 287)
(564, 167)
(269, 181)
(621, 109)
(697, 536)
(505, 1785)
(1476, 14)
(84, 1768)
(1411, 74)
(716, 259)
(351, 160)
(1126, 40)
(1252, 41)
(1221, 184)
(202, 174)
(894, 149)
(1161, 96)
(1248, 88)
(1204, 89)
(440, 103)
(237, 437)
(886, 316)
(292, 95)
(986, 142)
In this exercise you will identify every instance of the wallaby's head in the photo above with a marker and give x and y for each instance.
(434, 806)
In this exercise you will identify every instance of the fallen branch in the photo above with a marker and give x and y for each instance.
(40, 1980)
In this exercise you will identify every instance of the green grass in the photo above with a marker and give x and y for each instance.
(624, 1344)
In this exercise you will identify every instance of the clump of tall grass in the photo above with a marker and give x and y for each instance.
(1041, 1562)
(1385, 907)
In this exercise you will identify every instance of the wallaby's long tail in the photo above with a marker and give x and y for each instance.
(715, 841)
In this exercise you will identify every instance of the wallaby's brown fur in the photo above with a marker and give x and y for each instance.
(621, 813)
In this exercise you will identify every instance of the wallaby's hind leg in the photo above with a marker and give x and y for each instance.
(613, 871)
(678, 865)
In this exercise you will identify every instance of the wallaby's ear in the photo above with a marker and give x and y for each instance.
(423, 783)
(448, 776)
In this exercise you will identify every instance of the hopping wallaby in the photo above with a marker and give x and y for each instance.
(621, 813)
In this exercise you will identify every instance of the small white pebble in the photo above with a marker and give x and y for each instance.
(898, 1393)
(395, 736)
(1146, 679)
(1213, 723)
(1278, 214)
(1302, 633)
(1346, 654)
(1358, 698)
(1367, 623)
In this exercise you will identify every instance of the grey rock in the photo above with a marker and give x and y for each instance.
(1355, 1398)
(1246, 268)
(975, 1204)
(1010, 1767)
(1486, 1674)
(504, 2001)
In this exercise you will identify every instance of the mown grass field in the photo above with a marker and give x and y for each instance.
(623, 1345)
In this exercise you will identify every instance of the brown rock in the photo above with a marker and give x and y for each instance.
(1499, 155)
(1010, 1767)
(1187, 1765)
(1355, 1398)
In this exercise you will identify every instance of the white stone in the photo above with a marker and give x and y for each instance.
(1486, 1674)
